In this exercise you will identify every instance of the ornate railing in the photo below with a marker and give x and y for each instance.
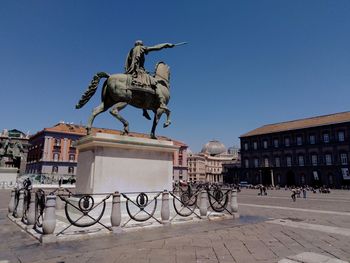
(86, 210)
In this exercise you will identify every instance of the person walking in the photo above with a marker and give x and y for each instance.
(293, 194)
(304, 192)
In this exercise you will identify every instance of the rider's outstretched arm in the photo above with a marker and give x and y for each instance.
(159, 47)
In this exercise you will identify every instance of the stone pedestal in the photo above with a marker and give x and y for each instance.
(8, 176)
(109, 163)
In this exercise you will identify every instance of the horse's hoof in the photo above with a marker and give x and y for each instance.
(153, 137)
(125, 132)
(88, 130)
(166, 124)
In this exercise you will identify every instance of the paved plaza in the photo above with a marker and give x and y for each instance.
(272, 228)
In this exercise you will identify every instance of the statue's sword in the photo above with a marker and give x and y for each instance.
(180, 44)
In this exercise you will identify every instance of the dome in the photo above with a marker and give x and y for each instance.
(214, 148)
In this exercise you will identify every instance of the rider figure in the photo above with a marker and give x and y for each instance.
(134, 66)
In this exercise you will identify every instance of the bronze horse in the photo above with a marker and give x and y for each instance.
(118, 92)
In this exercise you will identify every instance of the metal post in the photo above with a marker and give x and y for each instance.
(11, 206)
(116, 216)
(272, 179)
(165, 211)
(203, 206)
(260, 174)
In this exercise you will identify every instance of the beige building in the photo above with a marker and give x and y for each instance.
(180, 162)
(206, 166)
(196, 168)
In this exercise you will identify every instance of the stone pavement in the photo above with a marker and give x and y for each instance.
(272, 229)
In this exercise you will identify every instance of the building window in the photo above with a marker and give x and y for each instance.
(344, 158)
(266, 162)
(57, 142)
(302, 179)
(301, 160)
(255, 145)
(246, 163)
(71, 170)
(341, 136)
(277, 162)
(246, 146)
(265, 144)
(56, 156)
(299, 140)
(286, 142)
(275, 143)
(289, 161)
(330, 178)
(328, 158)
(72, 157)
(54, 169)
(312, 139)
(256, 162)
(326, 138)
(314, 160)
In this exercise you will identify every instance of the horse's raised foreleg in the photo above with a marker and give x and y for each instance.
(96, 111)
(115, 112)
(157, 114)
(168, 121)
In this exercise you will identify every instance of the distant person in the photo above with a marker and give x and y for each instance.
(304, 192)
(294, 192)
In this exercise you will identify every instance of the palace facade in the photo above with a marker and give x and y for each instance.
(312, 151)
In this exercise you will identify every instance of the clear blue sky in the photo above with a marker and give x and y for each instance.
(248, 63)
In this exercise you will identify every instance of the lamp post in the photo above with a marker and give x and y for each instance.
(260, 175)
(272, 178)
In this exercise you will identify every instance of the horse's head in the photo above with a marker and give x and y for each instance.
(162, 71)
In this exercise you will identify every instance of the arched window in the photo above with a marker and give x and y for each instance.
(57, 142)
(54, 169)
(266, 162)
(56, 156)
(72, 157)
(343, 158)
(289, 161)
(301, 160)
(328, 158)
(246, 163)
(71, 170)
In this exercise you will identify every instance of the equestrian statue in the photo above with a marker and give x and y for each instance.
(136, 87)
(12, 150)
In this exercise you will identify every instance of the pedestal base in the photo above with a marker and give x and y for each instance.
(8, 176)
(109, 163)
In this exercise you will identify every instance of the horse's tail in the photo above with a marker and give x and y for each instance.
(91, 89)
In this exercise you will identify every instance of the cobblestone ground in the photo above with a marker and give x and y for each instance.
(271, 228)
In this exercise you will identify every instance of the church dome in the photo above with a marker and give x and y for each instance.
(214, 147)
